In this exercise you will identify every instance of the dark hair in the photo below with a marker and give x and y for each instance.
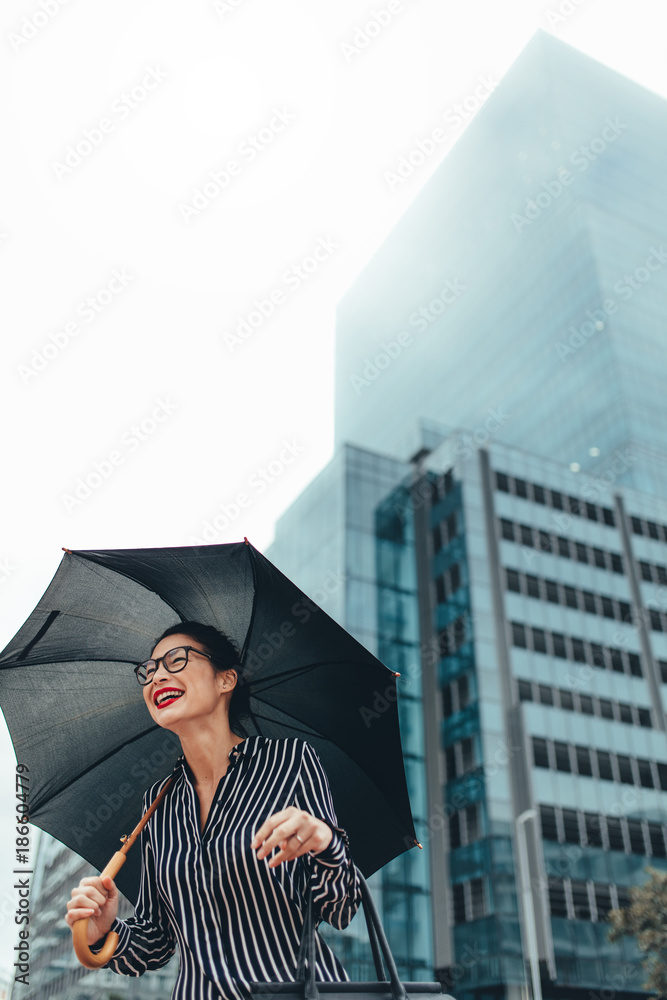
(225, 656)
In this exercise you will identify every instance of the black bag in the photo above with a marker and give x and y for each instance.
(305, 987)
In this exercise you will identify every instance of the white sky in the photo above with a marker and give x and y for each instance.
(334, 121)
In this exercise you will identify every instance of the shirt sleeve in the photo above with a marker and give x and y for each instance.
(335, 881)
(145, 941)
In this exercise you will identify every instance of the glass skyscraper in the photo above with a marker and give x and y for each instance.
(502, 360)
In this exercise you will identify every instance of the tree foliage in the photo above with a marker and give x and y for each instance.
(645, 919)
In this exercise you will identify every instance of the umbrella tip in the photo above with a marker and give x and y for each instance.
(246, 540)
(419, 845)
(67, 550)
(396, 673)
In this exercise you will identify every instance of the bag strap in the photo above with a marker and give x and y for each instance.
(305, 971)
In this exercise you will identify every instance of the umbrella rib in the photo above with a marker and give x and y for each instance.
(42, 631)
(244, 651)
(81, 774)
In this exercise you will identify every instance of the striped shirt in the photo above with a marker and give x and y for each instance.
(234, 919)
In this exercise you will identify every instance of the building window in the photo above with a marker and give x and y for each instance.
(459, 904)
(578, 651)
(566, 700)
(521, 488)
(586, 704)
(591, 512)
(599, 558)
(558, 645)
(526, 535)
(589, 602)
(604, 765)
(593, 829)
(552, 591)
(502, 482)
(582, 552)
(455, 577)
(580, 903)
(540, 752)
(646, 573)
(608, 517)
(525, 689)
(532, 586)
(556, 500)
(584, 765)
(538, 494)
(616, 562)
(564, 547)
(546, 694)
(545, 541)
(454, 831)
(540, 640)
(518, 635)
(625, 769)
(548, 823)
(615, 834)
(653, 530)
(645, 773)
(637, 526)
(562, 756)
(477, 905)
(557, 902)
(570, 597)
(507, 530)
(570, 826)
(513, 580)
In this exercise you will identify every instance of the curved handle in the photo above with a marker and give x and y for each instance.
(89, 959)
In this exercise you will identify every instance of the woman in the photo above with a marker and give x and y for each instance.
(228, 855)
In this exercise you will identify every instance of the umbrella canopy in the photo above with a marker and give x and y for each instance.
(77, 716)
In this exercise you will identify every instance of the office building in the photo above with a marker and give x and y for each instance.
(505, 349)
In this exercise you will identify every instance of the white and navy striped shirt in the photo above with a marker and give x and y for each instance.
(234, 919)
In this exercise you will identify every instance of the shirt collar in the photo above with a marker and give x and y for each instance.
(247, 748)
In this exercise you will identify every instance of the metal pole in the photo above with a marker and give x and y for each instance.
(527, 898)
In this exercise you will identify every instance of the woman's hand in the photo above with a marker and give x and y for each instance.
(296, 832)
(96, 898)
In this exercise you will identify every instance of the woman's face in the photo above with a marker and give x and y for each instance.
(174, 700)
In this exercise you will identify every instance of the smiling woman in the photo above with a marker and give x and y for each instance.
(245, 819)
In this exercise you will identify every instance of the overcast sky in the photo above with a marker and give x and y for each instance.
(188, 191)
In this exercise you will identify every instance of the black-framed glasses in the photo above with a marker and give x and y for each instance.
(173, 660)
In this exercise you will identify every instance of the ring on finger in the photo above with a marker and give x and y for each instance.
(298, 837)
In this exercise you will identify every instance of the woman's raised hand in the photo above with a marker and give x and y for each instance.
(296, 832)
(97, 899)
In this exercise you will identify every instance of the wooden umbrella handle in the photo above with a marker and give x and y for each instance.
(89, 959)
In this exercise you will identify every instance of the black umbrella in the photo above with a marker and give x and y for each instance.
(77, 717)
